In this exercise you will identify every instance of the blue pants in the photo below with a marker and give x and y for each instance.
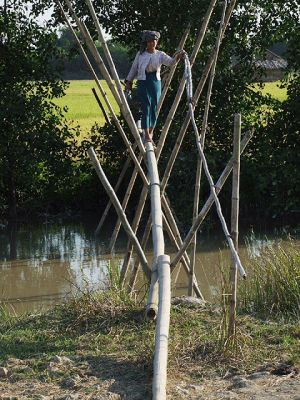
(149, 92)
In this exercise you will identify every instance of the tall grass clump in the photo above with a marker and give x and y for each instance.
(272, 289)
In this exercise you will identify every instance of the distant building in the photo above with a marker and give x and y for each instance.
(272, 66)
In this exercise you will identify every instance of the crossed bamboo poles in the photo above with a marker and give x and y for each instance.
(160, 271)
(170, 221)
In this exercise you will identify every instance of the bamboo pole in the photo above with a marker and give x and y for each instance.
(123, 102)
(172, 70)
(135, 225)
(124, 205)
(109, 204)
(108, 79)
(194, 241)
(202, 141)
(91, 45)
(101, 106)
(85, 57)
(180, 89)
(209, 202)
(120, 211)
(137, 263)
(162, 330)
(157, 229)
(234, 220)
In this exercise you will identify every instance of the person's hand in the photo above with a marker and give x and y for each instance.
(179, 55)
(128, 86)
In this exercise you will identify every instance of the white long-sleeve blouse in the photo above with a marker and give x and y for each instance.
(148, 61)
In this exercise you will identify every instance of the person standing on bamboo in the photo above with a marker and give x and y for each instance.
(146, 68)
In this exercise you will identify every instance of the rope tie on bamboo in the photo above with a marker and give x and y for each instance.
(189, 91)
(154, 183)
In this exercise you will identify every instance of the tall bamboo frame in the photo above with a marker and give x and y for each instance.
(162, 216)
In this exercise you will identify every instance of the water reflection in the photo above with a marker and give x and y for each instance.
(54, 261)
(51, 262)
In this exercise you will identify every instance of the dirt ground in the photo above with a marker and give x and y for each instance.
(111, 378)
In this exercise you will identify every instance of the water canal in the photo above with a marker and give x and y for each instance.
(58, 260)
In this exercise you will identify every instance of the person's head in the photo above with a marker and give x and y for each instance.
(149, 40)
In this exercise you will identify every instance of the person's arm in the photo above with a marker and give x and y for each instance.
(132, 73)
(167, 60)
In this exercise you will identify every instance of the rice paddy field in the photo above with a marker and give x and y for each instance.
(82, 107)
(83, 110)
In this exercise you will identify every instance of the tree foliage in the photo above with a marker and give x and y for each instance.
(36, 144)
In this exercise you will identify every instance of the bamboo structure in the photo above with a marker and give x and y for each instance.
(162, 216)
(234, 220)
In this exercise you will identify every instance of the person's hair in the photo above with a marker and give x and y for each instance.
(143, 47)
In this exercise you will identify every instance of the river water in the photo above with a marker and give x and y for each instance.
(55, 261)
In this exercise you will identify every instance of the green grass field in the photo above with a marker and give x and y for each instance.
(273, 89)
(83, 109)
(82, 106)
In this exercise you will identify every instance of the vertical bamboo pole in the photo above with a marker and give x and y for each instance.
(202, 141)
(234, 220)
(124, 205)
(162, 330)
(123, 102)
(194, 241)
(209, 202)
(120, 211)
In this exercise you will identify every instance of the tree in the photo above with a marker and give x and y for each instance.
(36, 144)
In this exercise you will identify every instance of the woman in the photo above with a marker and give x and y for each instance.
(146, 67)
